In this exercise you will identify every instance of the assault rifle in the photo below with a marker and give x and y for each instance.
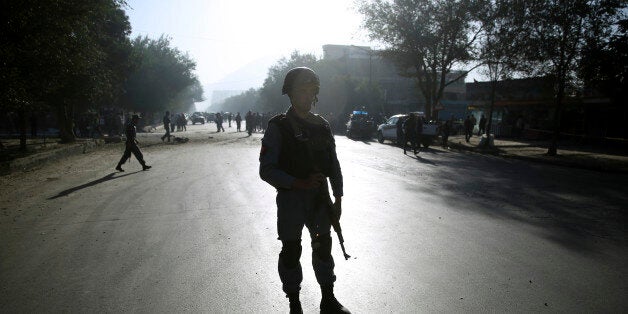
(323, 191)
(331, 213)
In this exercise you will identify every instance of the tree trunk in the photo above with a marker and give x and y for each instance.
(553, 147)
(21, 115)
(489, 123)
(66, 123)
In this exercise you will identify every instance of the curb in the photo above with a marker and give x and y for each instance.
(601, 165)
(29, 162)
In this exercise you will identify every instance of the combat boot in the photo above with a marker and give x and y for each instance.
(329, 304)
(295, 303)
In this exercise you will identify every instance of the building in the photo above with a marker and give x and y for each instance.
(401, 94)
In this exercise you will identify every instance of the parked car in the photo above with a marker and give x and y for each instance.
(197, 118)
(360, 125)
(388, 130)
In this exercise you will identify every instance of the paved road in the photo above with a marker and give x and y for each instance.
(444, 232)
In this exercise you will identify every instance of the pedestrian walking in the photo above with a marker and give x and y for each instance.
(248, 119)
(219, 122)
(400, 136)
(467, 129)
(131, 145)
(410, 133)
(446, 130)
(229, 116)
(238, 120)
(298, 154)
(166, 121)
(482, 125)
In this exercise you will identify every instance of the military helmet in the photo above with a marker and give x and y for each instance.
(299, 76)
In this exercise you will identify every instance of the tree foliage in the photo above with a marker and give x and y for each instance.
(557, 33)
(425, 38)
(604, 64)
(241, 103)
(63, 53)
(271, 98)
(498, 54)
(163, 78)
(339, 93)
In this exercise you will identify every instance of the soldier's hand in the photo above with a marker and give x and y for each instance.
(312, 182)
(338, 207)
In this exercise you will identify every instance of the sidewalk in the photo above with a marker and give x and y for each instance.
(44, 150)
(569, 154)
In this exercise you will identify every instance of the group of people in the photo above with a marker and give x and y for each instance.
(469, 124)
(179, 120)
(410, 130)
(257, 122)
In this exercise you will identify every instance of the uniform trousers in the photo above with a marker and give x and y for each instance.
(295, 209)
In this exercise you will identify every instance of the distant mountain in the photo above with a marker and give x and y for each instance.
(251, 75)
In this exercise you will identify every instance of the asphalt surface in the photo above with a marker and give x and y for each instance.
(446, 231)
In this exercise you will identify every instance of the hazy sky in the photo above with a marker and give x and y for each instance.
(224, 35)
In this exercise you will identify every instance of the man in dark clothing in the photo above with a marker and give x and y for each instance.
(219, 122)
(298, 154)
(467, 129)
(166, 126)
(131, 145)
(482, 125)
(400, 137)
(410, 133)
(238, 120)
(446, 131)
(248, 119)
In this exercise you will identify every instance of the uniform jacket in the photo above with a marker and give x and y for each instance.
(284, 157)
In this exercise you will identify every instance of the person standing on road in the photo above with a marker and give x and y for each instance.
(298, 154)
(219, 122)
(482, 125)
(248, 119)
(400, 137)
(419, 133)
(131, 145)
(410, 133)
(238, 120)
(166, 126)
(467, 129)
(229, 116)
(446, 131)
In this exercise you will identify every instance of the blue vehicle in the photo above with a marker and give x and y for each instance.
(360, 125)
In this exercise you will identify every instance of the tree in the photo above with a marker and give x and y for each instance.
(498, 53)
(241, 103)
(62, 53)
(271, 98)
(184, 101)
(556, 33)
(162, 74)
(604, 65)
(425, 38)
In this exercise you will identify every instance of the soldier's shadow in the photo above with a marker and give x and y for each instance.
(91, 183)
(423, 160)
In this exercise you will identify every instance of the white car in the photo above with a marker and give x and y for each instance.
(388, 130)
